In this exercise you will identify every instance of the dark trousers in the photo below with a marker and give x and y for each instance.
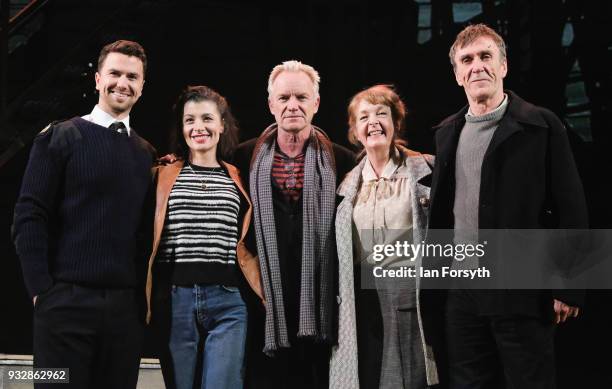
(305, 365)
(497, 351)
(370, 336)
(96, 333)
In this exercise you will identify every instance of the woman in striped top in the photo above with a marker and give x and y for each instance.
(199, 257)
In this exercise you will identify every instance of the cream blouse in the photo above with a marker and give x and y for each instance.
(382, 213)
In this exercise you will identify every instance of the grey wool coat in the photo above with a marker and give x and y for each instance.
(343, 368)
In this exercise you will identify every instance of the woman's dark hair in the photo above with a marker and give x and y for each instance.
(228, 140)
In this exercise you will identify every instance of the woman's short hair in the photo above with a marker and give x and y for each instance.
(385, 95)
(378, 94)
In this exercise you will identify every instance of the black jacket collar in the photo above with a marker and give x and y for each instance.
(518, 110)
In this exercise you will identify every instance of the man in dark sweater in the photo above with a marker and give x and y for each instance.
(501, 338)
(293, 169)
(77, 228)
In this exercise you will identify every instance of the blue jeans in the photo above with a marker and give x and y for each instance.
(214, 316)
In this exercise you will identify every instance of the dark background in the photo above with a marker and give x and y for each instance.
(559, 56)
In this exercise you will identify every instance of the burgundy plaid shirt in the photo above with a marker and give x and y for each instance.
(288, 175)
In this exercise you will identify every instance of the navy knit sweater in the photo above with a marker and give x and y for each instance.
(81, 206)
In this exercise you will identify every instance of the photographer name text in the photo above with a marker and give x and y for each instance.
(444, 272)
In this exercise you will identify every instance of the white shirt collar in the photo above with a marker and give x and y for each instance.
(101, 118)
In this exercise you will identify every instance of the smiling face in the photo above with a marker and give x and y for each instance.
(119, 81)
(374, 126)
(480, 70)
(293, 101)
(202, 126)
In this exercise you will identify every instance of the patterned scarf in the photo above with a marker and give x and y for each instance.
(318, 207)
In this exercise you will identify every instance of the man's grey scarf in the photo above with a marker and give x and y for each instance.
(318, 207)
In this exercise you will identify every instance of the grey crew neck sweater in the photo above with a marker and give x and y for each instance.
(473, 143)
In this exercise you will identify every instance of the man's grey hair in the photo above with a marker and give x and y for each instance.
(470, 34)
(294, 66)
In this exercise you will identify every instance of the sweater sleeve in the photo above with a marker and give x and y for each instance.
(35, 208)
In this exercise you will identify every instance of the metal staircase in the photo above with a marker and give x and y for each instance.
(49, 57)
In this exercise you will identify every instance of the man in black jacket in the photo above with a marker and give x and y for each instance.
(501, 163)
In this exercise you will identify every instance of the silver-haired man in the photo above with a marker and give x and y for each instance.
(293, 169)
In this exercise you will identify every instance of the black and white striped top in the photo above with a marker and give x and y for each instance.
(201, 228)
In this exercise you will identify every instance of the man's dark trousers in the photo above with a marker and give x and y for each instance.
(482, 345)
(97, 333)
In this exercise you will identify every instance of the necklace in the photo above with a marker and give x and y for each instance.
(203, 184)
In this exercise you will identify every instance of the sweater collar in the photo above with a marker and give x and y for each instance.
(494, 115)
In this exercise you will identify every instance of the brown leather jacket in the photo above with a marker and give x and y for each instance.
(249, 263)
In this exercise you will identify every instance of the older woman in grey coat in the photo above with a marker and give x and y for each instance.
(383, 202)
